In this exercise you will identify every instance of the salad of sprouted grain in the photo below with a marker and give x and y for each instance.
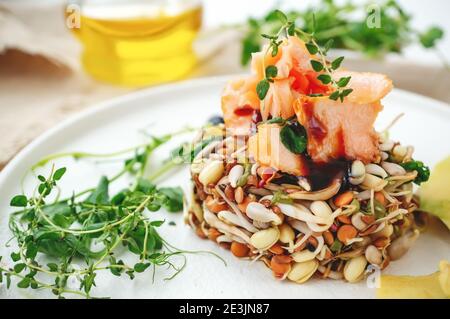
(296, 176)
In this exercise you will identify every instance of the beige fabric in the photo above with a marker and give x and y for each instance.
(41, 82)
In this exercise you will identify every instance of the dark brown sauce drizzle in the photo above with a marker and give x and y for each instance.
(322, 175)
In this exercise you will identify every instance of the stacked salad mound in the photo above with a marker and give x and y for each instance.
(297, 177)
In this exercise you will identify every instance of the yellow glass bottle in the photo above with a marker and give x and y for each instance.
(138, 42)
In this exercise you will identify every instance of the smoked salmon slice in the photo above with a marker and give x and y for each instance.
(268, 150)
(291, 53)
(279, 99)
(338, 130)
(344, 130)
(367, 87)
(239, 104)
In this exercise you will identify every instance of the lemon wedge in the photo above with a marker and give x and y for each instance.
(435, 194)
(434, 286)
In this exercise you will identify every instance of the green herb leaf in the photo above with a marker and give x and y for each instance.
(100, 195)
(334, 96)
(271, 71)
(312, 49)
(262, 88)
(291, 29)
(141, 267)
(423, 172)
(44, 189)
(34, 284)
(344, 93)
(281, 16)
(294, 139)
(52, 267)
(157, 223)
(343, 81)
(324, 78)
(88, 282)
(271, 16)
(429, 38)
(274, 50)
(59, 173)
(145, 186)
(337, 63)
(32, 250)
(19, 201)
(19, 267)
(24, 283)
(15, 256)
(316, 65)
(173, 198)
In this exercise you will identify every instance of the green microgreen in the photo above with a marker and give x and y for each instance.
(345, 26)
(293, 137)
(336, 246)
(67, 230)
(423, 171)
(243, 179)
(281, 197)
(262, 88)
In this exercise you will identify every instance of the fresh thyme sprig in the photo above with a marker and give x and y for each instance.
(326, 68)
(323, 65)
(81, 235)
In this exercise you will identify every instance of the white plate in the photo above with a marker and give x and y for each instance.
(114, 125)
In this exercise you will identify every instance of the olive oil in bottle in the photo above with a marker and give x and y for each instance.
(138, 43)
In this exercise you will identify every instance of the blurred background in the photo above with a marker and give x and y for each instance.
(59, 57)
